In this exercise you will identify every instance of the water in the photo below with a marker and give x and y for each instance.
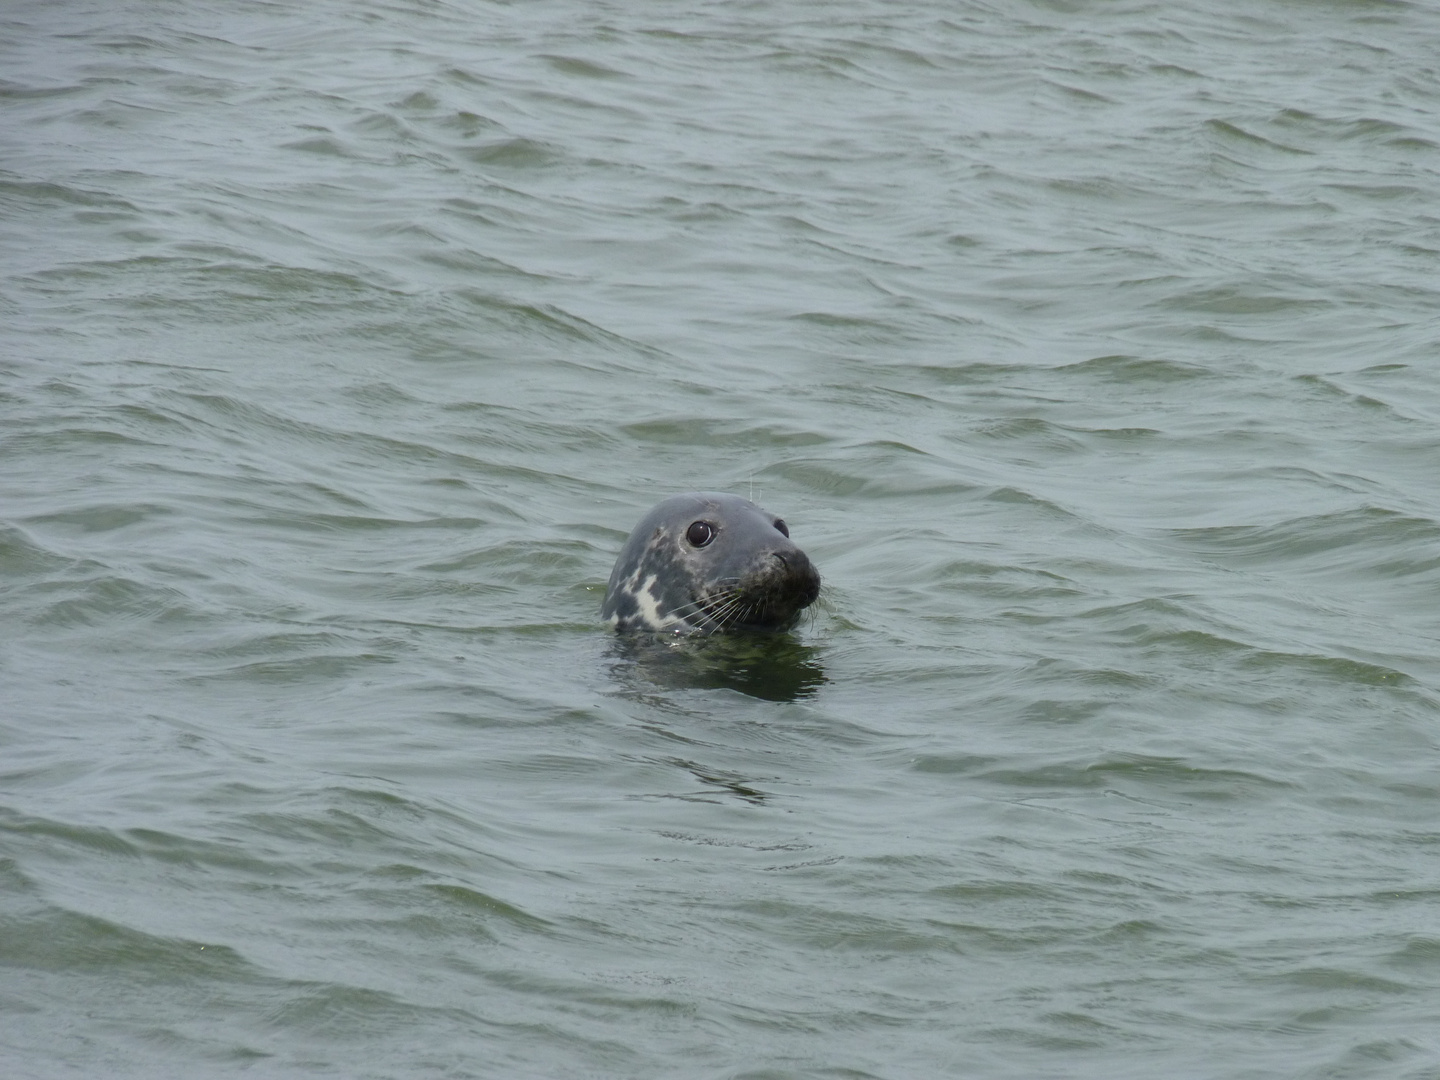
(1088, 349)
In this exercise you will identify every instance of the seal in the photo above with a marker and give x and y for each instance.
(707, 561)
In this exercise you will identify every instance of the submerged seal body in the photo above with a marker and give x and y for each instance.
(708, 561)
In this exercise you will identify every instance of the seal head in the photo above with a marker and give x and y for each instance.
(707, 561)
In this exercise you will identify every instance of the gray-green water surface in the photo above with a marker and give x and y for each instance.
(1092, 350)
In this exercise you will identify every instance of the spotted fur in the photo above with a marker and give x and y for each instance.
(748, 573)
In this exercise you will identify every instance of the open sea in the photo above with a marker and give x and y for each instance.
(1090, 349)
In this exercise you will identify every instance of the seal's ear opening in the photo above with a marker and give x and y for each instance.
(700, 533)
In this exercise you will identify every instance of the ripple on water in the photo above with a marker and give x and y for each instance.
(1088, 351)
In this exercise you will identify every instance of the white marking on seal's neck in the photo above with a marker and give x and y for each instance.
(649, 606)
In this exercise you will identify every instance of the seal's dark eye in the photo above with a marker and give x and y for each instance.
(700, 533)
(782, 527)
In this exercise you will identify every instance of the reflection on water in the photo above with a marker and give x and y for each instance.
(1089, 348)
(775, 667)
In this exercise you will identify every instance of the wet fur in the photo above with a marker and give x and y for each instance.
(751, 575)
